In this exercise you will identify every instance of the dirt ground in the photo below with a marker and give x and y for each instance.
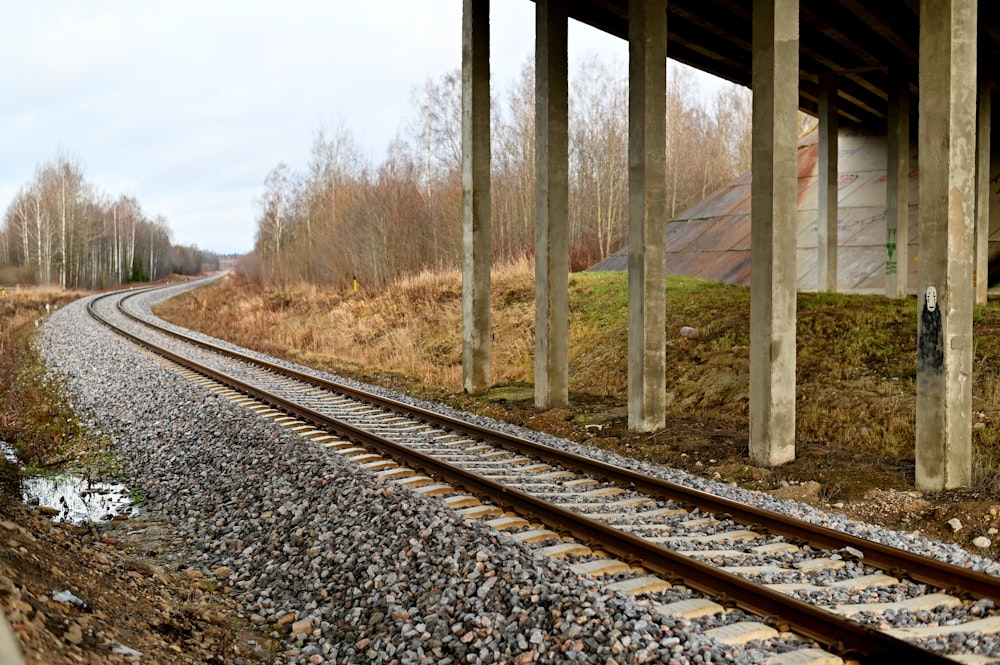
(130, 600)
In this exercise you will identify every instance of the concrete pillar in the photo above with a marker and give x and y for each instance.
(10, 653)
(773, 231)
(551, 205)
(647, 214)
(826, 242)
(897, 205)
(476, 332)
(947, 148)
(983, 138)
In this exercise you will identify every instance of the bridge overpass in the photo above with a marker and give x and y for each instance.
(893, 66)
(711, 239)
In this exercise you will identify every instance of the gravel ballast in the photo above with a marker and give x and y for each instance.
(348, 568)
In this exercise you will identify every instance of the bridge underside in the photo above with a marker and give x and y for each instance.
(848, 61)
(858, 41)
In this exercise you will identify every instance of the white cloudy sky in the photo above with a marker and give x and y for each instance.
(187, 104)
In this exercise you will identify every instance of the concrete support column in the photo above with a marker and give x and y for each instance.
(983, 138)
(947, 147)
(647, 214)
(476, 332)
(773, 231)
(826, 242)
(897, 205)
(551, 205)
(10, 652)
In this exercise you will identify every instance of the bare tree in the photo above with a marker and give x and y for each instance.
(274, 220)
(438, 128)
(599, 158)
(437, 134)
(514, 169)
(344, 217)
(59, 229)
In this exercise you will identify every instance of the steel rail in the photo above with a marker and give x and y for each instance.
(841, 636)
(900, 563)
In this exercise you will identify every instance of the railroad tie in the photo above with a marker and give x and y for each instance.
(431, 489)
(339, 445)
(346, 449)
(711, 554)
(600, 567)
(638, 586)
(379, 465)
(741, 633)
(366, 458)
(865, 582)
(564, 549)
(806, 657)
(775, 548)
(554, 475)
(507, 522)
(928, 602)
(972, 659)
(988, 625)
(414, 481)
(821, 563)
(698, 523)
(693, 608)
(396, 473)
(535, 536)
(461, 501)
(661, 512)
(479, 512)
(535, 468)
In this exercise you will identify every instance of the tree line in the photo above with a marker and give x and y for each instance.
(60, 230)
(344, 216)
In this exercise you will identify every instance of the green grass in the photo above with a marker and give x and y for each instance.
(856, 357)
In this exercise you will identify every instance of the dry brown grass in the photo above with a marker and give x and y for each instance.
(35, 417)
(415, 330)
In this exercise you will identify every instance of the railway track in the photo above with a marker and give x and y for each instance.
(687, 551)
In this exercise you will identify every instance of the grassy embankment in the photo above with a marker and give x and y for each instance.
(35, 418)
(856, 366)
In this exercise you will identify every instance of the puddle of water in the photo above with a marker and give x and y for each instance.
(78, 500)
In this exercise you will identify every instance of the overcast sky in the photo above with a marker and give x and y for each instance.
(188, 104)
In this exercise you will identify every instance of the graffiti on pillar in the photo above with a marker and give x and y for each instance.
(890, 248)
(930, 343)
(846, 179)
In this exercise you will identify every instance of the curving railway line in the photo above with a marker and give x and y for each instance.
(687, 551)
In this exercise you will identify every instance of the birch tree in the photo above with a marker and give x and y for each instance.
(59, 229)
(598, 159)
(345, 216)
